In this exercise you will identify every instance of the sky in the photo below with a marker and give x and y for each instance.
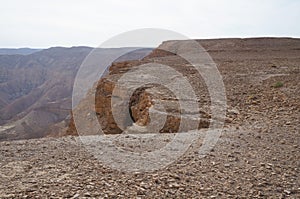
(48, 23)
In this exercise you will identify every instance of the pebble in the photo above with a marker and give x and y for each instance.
(76, 196)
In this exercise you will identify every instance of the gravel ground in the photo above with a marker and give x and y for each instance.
(260, 163)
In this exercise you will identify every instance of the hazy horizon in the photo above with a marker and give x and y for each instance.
(58, 46)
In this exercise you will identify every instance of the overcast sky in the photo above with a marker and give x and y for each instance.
(46, 23)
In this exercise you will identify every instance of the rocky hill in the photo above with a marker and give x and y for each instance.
(18, 51)
(36, 89)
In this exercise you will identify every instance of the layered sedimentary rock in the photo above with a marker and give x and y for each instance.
(148, 105)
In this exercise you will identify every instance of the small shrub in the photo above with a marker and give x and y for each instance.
(278, 84)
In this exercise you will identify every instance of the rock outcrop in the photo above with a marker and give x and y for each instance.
(159, 101)
(162, 102)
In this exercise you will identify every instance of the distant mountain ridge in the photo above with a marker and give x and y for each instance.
(18, 51)
(36, 89)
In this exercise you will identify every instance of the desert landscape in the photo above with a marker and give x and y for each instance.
(256, 156)
(36, 89)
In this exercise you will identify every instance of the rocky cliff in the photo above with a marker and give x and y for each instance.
(231, 56)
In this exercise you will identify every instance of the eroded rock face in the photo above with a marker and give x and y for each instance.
(140, 102)
(137, 103)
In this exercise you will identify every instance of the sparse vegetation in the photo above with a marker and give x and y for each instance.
(278, 84)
